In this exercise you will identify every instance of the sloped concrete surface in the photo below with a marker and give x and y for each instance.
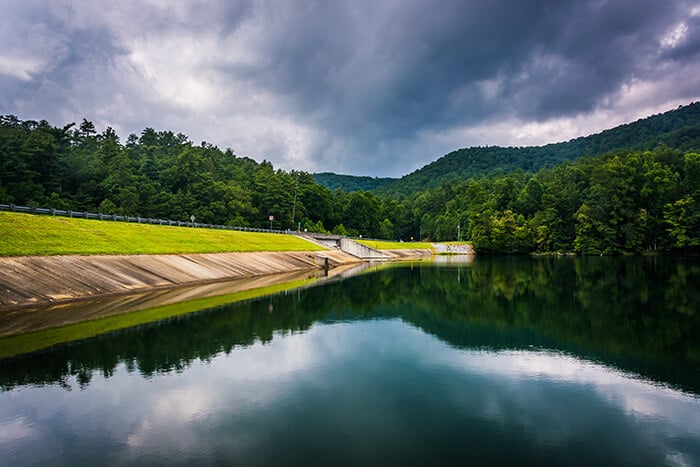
(34, 280)
(408, 253)
(35, 318)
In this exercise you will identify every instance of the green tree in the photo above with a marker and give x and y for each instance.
(362, 213)
(683, 219)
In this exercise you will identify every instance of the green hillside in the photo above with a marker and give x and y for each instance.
(677, 129)
(350, 183)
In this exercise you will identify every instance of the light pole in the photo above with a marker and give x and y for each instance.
(459, 238)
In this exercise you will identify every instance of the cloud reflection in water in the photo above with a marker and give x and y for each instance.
(354, 392)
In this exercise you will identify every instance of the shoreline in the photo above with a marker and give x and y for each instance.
(49, 300)
(28, 282)
(35, 281)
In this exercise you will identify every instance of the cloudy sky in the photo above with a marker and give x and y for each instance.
(363, 87)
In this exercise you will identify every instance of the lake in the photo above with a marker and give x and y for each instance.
(486, 361)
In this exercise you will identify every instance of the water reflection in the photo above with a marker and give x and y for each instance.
(373, 392)
(500, 361)
(633, 313)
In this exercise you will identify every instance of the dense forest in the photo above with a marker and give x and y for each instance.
(350, 183)
(629, 200)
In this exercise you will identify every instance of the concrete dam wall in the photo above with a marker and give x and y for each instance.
(37, 280)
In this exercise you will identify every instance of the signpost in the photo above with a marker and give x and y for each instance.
(272, 218)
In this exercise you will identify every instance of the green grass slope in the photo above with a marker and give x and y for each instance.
(28, 235)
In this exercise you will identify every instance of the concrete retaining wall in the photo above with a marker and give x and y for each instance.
(408, 253)
(34, 280)
(461, 249)
(360, 250)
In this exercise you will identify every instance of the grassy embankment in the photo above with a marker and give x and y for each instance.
(29, 235)
(25, 235)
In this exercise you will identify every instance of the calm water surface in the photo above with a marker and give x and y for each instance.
(500, 361)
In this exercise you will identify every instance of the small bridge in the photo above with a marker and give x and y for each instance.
(346, 245)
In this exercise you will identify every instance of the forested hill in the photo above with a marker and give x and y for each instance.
(350, 183)
(677, 129)
(626, 201)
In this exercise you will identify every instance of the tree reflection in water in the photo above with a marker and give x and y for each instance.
(637, 314)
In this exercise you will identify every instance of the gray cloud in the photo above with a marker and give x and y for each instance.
(350, 86)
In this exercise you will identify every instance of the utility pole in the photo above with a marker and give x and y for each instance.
(294, 206)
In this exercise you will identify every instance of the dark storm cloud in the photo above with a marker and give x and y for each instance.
(352, 86)
(552, 58)
(422, 66)
(68, 66)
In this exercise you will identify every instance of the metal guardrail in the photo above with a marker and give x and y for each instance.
(136, 219)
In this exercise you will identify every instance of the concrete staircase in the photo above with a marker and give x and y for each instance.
(359, 250)
(346, 245)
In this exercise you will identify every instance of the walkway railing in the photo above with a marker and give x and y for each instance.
(136, 219)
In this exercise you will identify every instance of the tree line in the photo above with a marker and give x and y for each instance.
(626, 201)
(622, 202)
(162, 174)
